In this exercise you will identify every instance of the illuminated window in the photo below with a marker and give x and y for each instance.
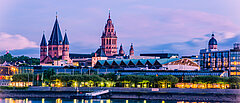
(233, 68)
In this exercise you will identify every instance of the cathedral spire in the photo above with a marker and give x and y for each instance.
(109, 16)
(109, 38)
(56, 36)
(43, 42)
(65, 41)
(56, 15)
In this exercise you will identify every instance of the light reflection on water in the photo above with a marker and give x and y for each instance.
(59, 100)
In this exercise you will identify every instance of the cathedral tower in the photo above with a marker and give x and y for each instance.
(131, 51)
(55, 43)
(109, 39)
(43, 48)
(65, 55)
(121, 52)
(58, 49)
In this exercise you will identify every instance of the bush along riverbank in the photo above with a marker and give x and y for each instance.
(51, 79)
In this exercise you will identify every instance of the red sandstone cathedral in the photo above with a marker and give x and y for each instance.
(56, 51)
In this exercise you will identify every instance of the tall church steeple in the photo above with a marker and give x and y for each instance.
(65, 41)
(55, 42)
(109, 38)
(43, 48)
(56, 36)
(65, 55)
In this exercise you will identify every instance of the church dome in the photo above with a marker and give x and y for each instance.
(212, 41)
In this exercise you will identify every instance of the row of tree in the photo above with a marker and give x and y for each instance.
(234, 81)
(50, 77)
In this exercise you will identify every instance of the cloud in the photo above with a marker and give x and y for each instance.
(151, 28)
(193, 46)
(155, 25)
(14, 42)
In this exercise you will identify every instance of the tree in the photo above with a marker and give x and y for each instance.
(22, 77)
(47, 74)
(234, 81)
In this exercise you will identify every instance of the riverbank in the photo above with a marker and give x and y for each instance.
(219, 95)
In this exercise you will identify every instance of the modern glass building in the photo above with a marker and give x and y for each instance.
(235, 60)
(212, 59)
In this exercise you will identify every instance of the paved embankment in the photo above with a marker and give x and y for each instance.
(130, 93)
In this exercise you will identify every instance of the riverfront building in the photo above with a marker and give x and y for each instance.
(212, 59)
(161, 55)
(138, 64)
(235, 60)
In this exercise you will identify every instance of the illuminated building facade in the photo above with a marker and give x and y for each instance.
(212, 58)
(235, 60)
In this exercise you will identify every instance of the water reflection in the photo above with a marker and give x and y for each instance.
(60, 100)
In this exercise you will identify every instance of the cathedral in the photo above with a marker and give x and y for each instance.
(56, 51)
(109, 41)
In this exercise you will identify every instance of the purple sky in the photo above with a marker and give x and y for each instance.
(178, 26)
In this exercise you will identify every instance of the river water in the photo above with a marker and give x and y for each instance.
(59, 100)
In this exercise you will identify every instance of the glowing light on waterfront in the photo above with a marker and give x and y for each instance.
(101, 101)
(75, 101)
(43, 100)
(58, 100)
(126, 101)
(144, 101)
(163, 101)
(108, 101)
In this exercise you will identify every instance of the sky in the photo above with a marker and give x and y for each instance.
(153, 26)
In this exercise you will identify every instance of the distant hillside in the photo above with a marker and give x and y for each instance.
(25, 60)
